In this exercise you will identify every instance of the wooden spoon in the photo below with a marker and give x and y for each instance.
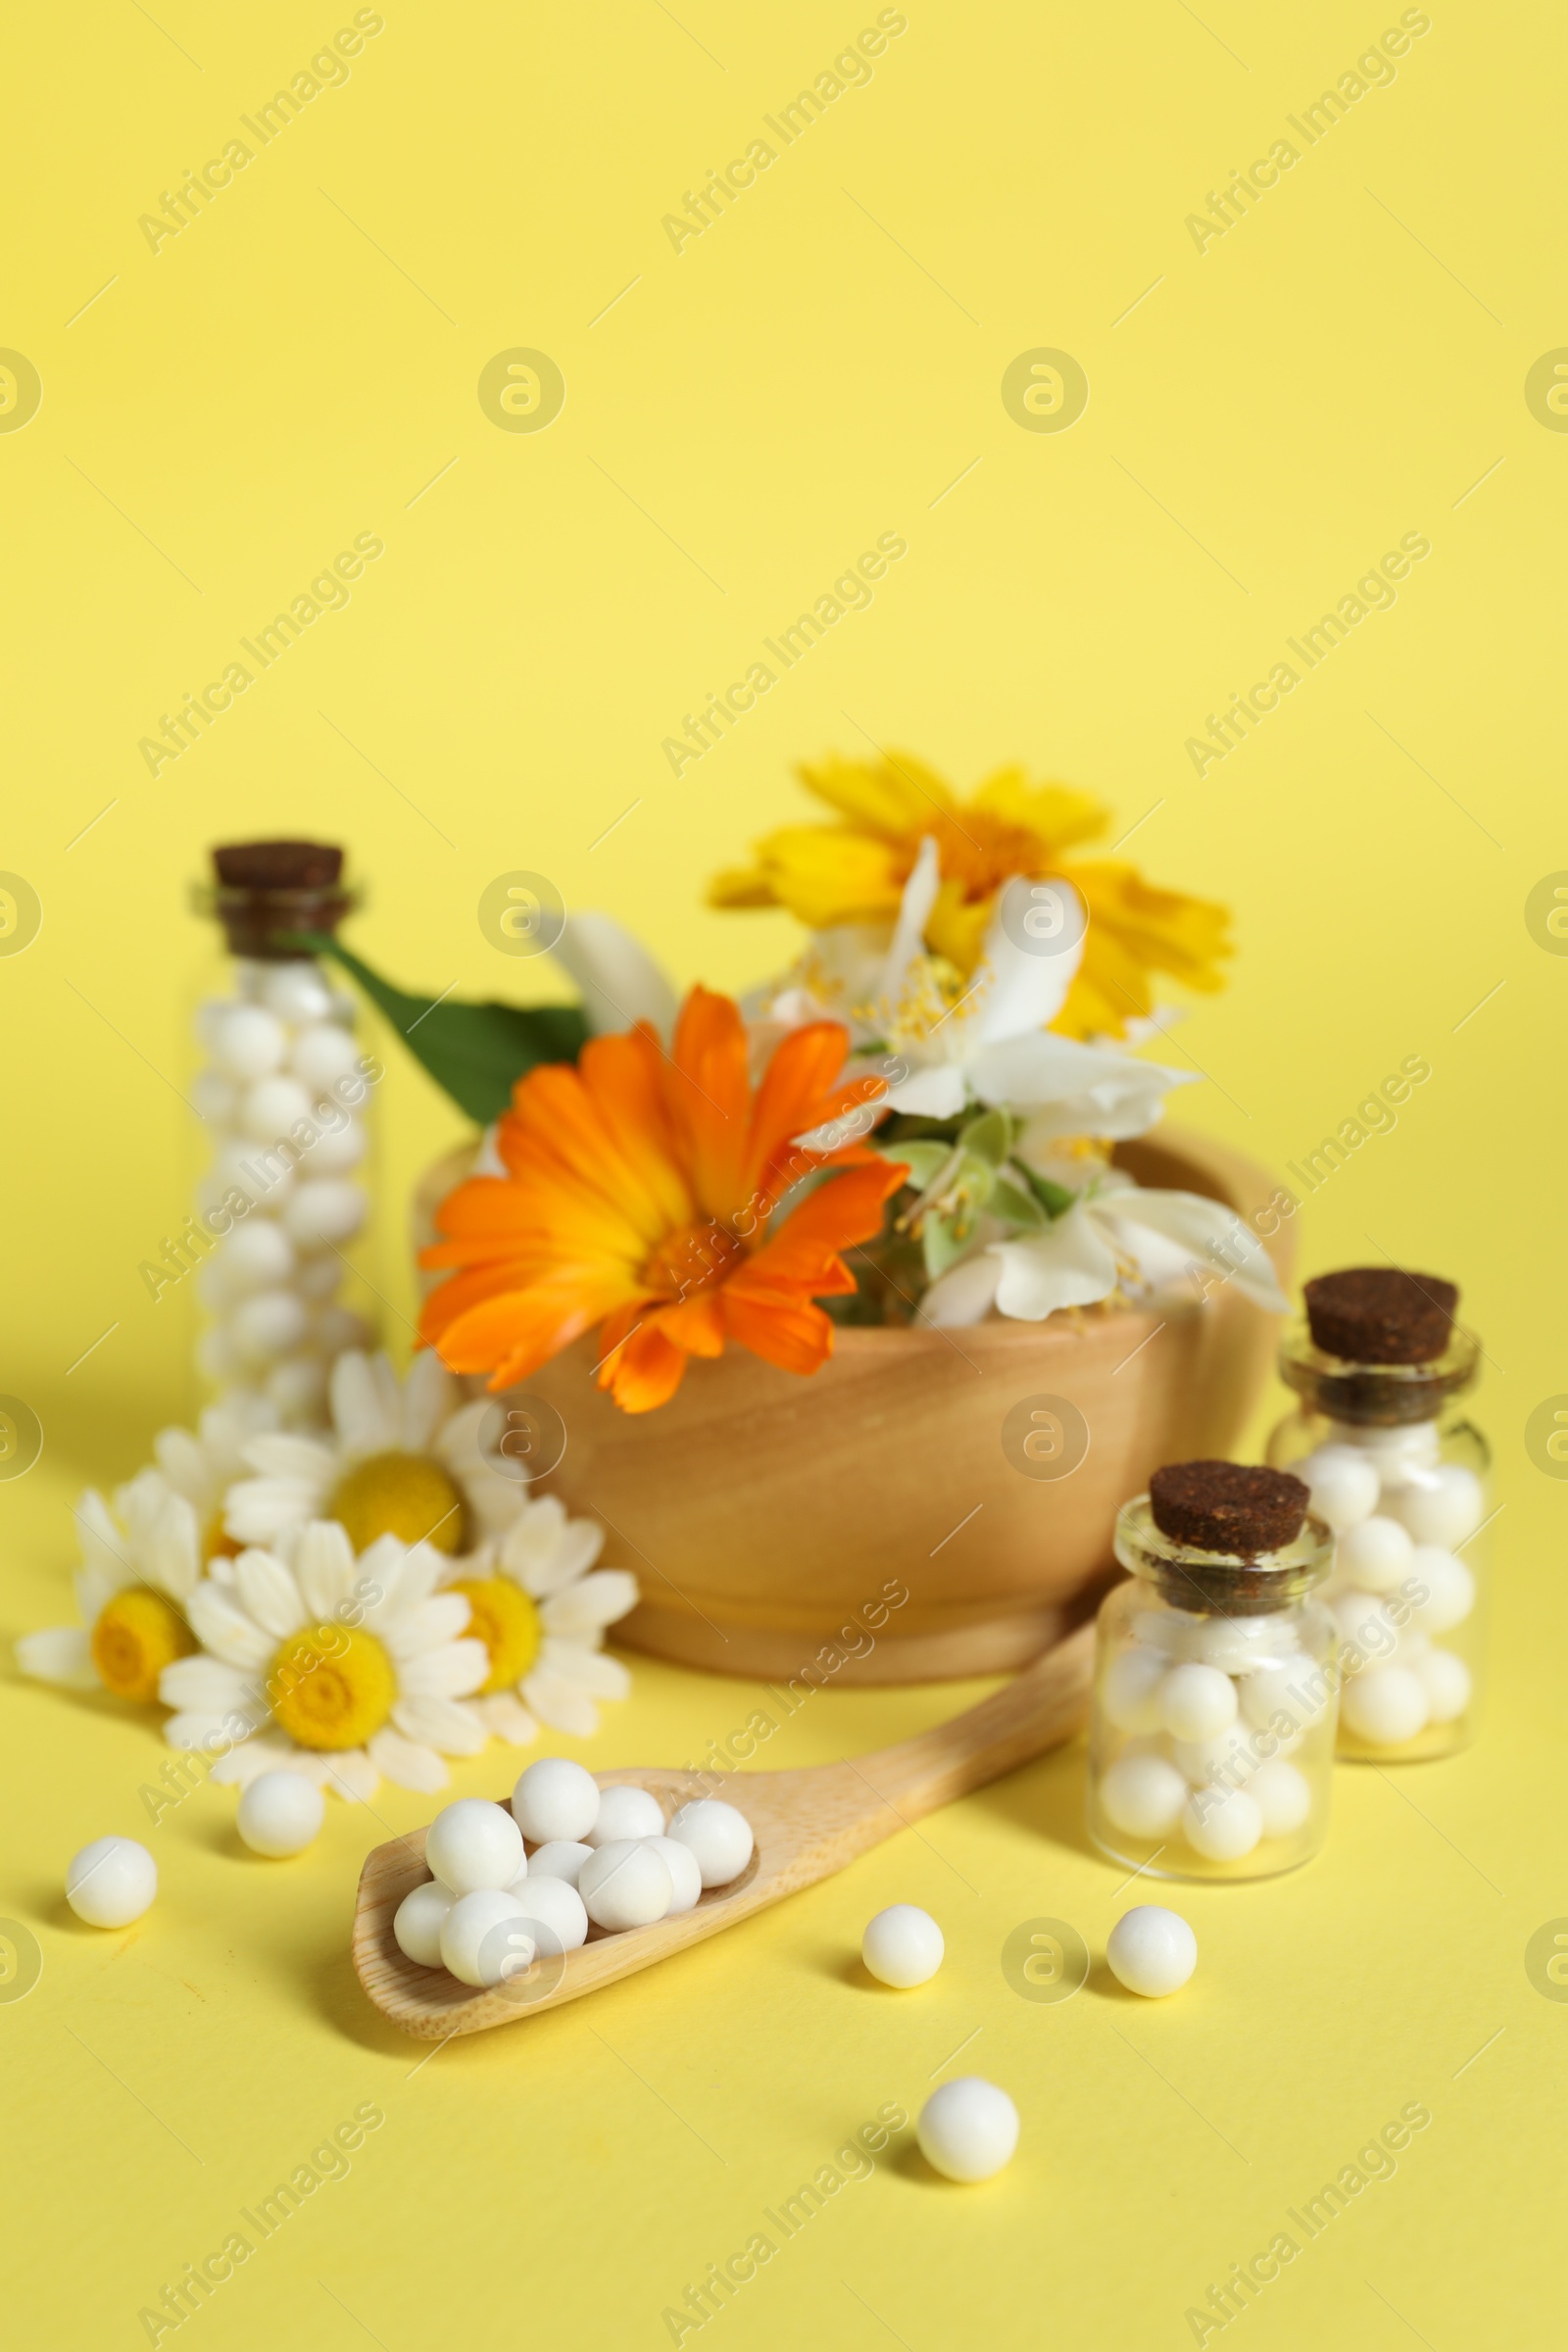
(807, 1823)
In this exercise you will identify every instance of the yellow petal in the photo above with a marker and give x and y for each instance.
(893, 796)
(826, 874)
(1060, 814)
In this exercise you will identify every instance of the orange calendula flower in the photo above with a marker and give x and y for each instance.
(640, 1198)
(855, 871)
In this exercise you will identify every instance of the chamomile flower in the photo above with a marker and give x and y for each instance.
(401, 1458)
(345, 1669)
(541, 1607)
(141, 1563)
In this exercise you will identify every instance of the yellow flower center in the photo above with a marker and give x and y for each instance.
(503, 1617)
(331, 1685)
(402, 1494)
(137, 1635)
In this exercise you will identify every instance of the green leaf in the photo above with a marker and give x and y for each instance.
(922, 1160)
(989, 1137)
(1019, 1207)
(1053, 1198)
(476, 1052)
(943, 1243)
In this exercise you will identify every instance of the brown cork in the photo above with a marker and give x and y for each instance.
(1237, 1508)
(268, 889)
(1381, 1314)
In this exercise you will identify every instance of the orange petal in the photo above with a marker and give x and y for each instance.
(797, 1337)
(646, 1372)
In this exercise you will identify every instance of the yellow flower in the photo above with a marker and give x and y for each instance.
(853, 871)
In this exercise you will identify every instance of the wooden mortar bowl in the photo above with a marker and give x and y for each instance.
(770, 1520)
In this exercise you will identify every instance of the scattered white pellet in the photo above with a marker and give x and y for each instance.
(902, 1946)
(1152, 1951)
(111, 1882)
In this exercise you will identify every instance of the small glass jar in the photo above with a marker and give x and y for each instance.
(1211, 1736)
(1402, 1475)
(284, 1090)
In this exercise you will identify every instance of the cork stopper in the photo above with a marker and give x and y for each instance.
(1380, 1315)
(1237, 1508)
(266, 890)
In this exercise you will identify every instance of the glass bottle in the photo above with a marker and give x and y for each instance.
(1224, 1774)
(1402, 1475)
(283, 1091)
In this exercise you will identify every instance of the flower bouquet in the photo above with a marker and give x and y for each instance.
(863, 1295)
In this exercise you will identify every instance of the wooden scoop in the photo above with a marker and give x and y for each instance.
(807, 1823)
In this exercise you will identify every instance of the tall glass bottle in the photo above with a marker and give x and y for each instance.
(1401, 1472)
(284, 1090)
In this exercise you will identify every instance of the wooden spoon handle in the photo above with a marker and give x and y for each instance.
(1039, 1707)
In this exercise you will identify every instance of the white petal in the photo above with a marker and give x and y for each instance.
(444, 1724)
(1212, 1234)
(351, 1774)
(450, 1672)
(183, 1461)
(302, 1461)
(593, 1601)
(544, 1549)
(966, 1293)
(103, 1542)
(256, 1509)
(619, 980)
(435, 1623)
(58, 1653)
(589, 1670)
(936, 1092)
(428, 1396)
(323, 1565)
(907, 945)
(409, 1765)
(364, 1415)
(506, 1718)
(1030, 975)
(268, 1594)
(1068, 1265)
(207, 1685)
(173, 1555)
(380, 1580)
(559, 1704)
(221, 1626)
(420, 1577)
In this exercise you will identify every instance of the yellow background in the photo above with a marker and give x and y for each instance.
(295, 368)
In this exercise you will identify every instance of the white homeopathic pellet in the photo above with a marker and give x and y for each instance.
(719, 1836)
(558, 1858)
(1374, 1553)
(1130, 1692)
(484, 1938)
(418, 1921)
(1151, 1950)
(1222, 1824)
(556, 1801)
(1143, 1795)
(556, 1909)
(1196, 1702)
(625, 1813)
(1385, 1707)
(1344, 1484)
(111, 1882)
(684, 1876)
(1282, 1794)
(626, 1884)
(968, 2129)
(903, 1946)
(281, 1813)
(474, 1844)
